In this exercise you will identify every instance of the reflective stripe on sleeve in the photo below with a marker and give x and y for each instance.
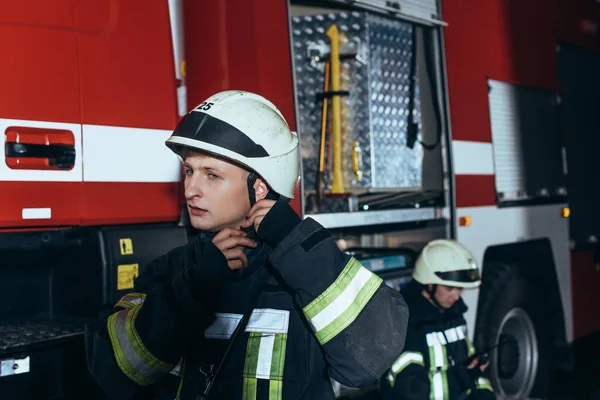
(133, 358)
(131, 299)
(484, 384)
(402, 362)
(342, 302)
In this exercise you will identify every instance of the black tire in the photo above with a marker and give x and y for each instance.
(512, 309)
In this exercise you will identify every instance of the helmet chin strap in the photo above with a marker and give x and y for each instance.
(433, 298)
(251, 180)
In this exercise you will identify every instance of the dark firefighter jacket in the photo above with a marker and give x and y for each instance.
(321, 314)
(432, 364)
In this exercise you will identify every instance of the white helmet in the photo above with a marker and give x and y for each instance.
(447, 262)
(247, 129)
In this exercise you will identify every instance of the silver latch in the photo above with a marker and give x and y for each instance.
(14, 366)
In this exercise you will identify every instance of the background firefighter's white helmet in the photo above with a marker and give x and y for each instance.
(447, 262)
(247, 129)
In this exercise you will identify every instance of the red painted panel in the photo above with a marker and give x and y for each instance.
(64, 198)
(39, 75)
(512, 41)
(127, 67)
(40, 13)
(127, 202)
(585, 281)
(475, 190)
(245, 46)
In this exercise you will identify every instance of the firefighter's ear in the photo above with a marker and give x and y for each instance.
(260, 189)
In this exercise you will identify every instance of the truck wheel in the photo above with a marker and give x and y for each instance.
(512, 311)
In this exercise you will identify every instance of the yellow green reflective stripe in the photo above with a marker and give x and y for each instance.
(278, 359)
(132, 356)
(139, 346)
(439, 385)
(181, 380)
(122, 361)
(275, 389)
(406, 359)
(277, 364)
(484, 384)
(333, 291)
(432, 366)
(470, 346)
(252, 352)
(265, 360)
(131, 299)
(445, 383)
(342, 302)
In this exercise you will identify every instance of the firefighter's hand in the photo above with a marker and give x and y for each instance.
(474, 363)
(232, 243)
(484, 366)
(257, 213)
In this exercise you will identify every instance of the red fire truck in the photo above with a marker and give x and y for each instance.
(472, 121)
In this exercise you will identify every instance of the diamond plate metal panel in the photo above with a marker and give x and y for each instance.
(375, 111)
(527, 150)
(309, 32)
(394, 164)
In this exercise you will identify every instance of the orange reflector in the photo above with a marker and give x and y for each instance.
(565, 212)
(464, 221)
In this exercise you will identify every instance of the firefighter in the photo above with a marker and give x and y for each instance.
(439, 360)
(311, 312)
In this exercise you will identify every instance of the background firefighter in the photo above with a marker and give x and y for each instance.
(437, 362)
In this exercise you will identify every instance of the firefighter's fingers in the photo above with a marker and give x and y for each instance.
(258, 218)
(236, 259)
(484, 366)
(473, 363)
(226, 233)
(261, 204)
(235, 241)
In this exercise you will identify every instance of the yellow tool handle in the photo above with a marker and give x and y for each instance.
(324, 119)
(357, 161)
(337, 184)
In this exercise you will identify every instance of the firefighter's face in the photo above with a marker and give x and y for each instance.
(216, 193)
(447, 295)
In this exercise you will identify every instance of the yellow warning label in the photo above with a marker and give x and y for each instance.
(126, 273)
(126, 246)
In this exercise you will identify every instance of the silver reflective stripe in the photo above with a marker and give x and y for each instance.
(433, 341)
(341, 303)
(484, 383)
(437, 386)
(406, 359)
(223, 327)
(441, 338)
(461, 331)
(265, 356)
(263, 320)
(451, 335)
(177, 369)
(127, 348)
(268, 320)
